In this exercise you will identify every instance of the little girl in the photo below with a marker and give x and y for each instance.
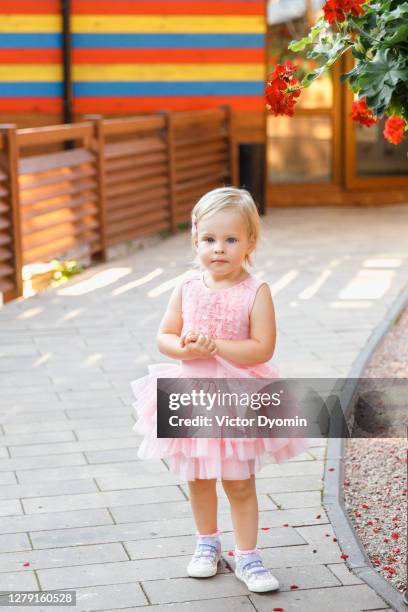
(219, 323)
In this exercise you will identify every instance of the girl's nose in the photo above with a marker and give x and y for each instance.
(219, 248)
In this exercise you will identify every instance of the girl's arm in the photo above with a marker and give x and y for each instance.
(168, 336)
(260, 347)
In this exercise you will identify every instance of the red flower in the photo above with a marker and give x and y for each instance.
(282, 89)
(353, 6)
(365, 506)
(335, 10)
(395, 536)
(362, 113)
(394, 131)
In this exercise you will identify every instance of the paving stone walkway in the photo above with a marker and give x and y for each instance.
(80, 511)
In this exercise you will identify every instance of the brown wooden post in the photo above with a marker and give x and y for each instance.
(97, 121)
(171, 159)
(9, 132)
(232, 146)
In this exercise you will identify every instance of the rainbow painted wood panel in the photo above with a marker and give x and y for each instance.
(134, 56)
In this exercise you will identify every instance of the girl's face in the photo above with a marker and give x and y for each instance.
(222, 242)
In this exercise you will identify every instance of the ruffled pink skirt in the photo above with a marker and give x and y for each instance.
(193, 458)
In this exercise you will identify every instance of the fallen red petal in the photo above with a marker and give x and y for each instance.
(285, 525)
(26, 564)
(294, 586)
(265, 528)
(343, 556)
(230, 553)
(318, 516)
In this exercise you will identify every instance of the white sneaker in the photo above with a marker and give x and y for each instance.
(251, 570)
(204, 562)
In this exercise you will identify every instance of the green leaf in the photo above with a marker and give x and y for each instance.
(299, 45)
(400, 35)
(312, 76)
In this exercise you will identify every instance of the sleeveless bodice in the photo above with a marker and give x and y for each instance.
(223, 313)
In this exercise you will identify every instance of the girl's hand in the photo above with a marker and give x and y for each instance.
(203, 347)
(190, 336)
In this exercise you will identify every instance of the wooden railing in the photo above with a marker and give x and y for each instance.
(100, 182)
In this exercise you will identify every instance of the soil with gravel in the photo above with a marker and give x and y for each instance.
(375, 485)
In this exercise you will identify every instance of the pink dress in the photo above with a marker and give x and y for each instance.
(221, 314)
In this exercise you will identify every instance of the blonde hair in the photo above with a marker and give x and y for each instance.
(224, 198)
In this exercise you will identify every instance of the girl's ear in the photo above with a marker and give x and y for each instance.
(251, 247)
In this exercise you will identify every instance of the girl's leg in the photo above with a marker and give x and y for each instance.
(203, 497)
(244, 511)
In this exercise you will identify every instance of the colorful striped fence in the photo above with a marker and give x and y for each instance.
(132, 56)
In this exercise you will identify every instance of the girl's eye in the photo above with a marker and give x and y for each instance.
(208, 239)
(231, 240)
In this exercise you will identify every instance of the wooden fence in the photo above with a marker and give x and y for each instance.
(100, 182)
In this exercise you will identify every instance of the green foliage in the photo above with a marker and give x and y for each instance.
(379, 43)
(64, 270)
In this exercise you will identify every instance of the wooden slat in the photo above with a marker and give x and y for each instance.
(130, 211)
(201, 117)
(135, 175)
(5, 254)
(133, 147)
(216, 169)
(143, 231)
(53, 133)
(157, 181)
(4, 207)
(204, 149)
(6, 285)
(43, 196)
(5, 239)
(39, 224)
(4, 223)
(138, 199)
(197, 142)
(59, 247)
(138, 222)
(70, 204)
(124, 163)
(50, 161)
(6, 270)
(39, 239)
(202, 160)
(137, 124)
(57, 176)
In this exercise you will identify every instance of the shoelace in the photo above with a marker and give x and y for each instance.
(205, 551)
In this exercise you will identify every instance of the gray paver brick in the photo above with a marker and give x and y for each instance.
(124, 571)
(7, 478)
(149, 474)
(10, 507)
(358, 597)
(17, 463)
(55, 520)
(14, 542)
(342, 572)
(95, 500)
(63, 557)
(225, 604)
(18, 581)
(301, 499)
(103, 597)
(177, 509)
(184, 545)
(65, 487)
(187, 589)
